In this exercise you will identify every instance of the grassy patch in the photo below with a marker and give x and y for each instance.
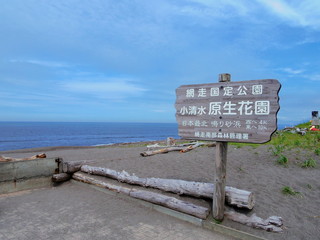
(277, 149)
(282, 160)
(240, 145)
(282, 140)
(310, 163)
(304, 125)
(287, 141)
(286, 190)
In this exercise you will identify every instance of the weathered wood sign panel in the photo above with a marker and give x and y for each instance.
(244, 111)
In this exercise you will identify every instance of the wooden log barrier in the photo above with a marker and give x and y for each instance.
(234, 197)
(172, 203)
(61, 177)
(271, 224)
(159, 199)
(72, 167)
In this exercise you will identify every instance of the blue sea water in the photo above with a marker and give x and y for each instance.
(21, 135)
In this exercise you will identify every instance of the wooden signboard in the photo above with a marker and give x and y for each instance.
(244, 111)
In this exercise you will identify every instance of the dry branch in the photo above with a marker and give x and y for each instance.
(234, 196)
(9, 159)
(160, 199)
(271, 224)
(181, 148)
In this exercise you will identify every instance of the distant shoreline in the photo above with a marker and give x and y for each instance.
(55, 148)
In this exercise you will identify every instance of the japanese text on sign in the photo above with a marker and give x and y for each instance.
(233, 111)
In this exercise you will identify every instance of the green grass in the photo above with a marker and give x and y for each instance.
(282, 160)
(277, 149)
(282, 141)
(240, 145)
(289, 191)
(304, 125)
(310, 163)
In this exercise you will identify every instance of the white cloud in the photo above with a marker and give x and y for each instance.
(41, 63)
(222, 5)
(109, 88)
(292, 71)
(298, 13)
(207, 12)
(314, 77)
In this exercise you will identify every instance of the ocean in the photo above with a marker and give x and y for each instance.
(22, 135)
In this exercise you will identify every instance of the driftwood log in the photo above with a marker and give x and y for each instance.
(72, 167)
(61, 177)
(9, 159)
(180, 148)
(160, 199)
(234, 197)
(271, 224)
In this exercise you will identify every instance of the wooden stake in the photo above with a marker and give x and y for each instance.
(220, 170)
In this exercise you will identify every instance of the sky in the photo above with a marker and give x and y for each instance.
(122, 60)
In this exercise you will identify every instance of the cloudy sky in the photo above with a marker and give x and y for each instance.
(121, 60)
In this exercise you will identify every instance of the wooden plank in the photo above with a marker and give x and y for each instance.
(244, 111)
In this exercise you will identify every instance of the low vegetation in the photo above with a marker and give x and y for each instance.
(286, 190)
(284, 141)
(310, 163)
(282, 160)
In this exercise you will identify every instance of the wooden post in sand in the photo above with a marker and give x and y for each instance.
(220, 170)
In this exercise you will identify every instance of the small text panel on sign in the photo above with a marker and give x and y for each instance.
(244, 111)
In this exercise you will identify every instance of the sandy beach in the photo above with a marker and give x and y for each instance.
(249, 168)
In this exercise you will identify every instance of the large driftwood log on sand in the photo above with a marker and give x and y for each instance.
(234, 196)
(271, 224)
(160, 199)
(181, 148)
(9, 159)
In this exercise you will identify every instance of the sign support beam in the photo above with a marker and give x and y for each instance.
(220, 170)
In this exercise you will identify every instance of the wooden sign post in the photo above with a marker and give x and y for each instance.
(226, 111)
(220, 171)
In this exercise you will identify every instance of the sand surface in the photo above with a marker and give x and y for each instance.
(249, 168)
